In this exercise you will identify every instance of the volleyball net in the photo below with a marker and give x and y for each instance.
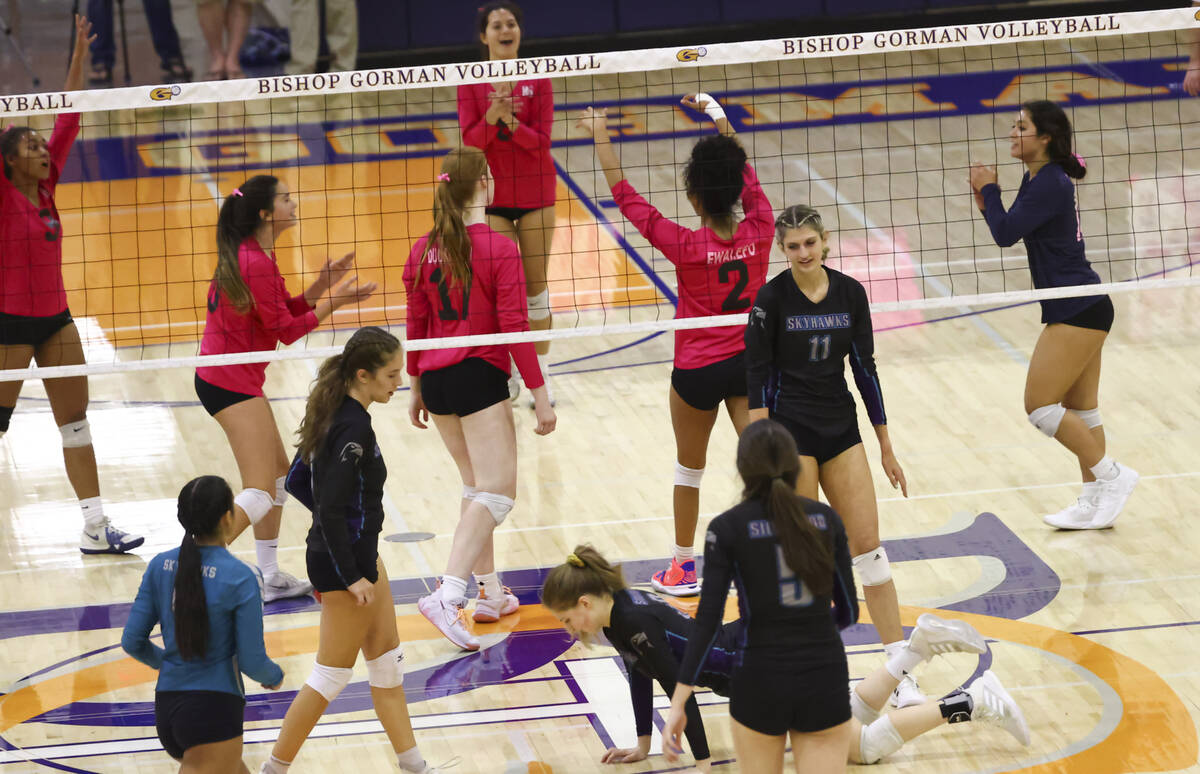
(875, 129)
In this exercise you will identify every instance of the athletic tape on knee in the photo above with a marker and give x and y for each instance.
(329, 681)
(539, 305)
(497, 505)
(1048, 418)
(872, 568)
(387, 671)
(879, 740)
(864, 713)
(76, 434)
(469, 492)
(688, 476)
(1090, 417)
(6, 413)
(255, 502)
(281, 494)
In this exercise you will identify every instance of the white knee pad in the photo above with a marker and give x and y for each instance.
(872, 567)
(1090, 417)
(879, 740)
(864, 713)
(281, 495)
(539, 305)
(498, 505)
(1048, 418)
(76, 434)
(387, 671)
(469, 492)
(688, 476)
(255, 502)
(329, 681)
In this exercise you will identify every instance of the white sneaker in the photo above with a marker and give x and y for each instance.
(283, 585)
(104, 538)
(993, 705)
(1077, 515)
(934, 635)
(907, 693)
(491, 610)
(514, 388)
(451, 620)
(1113, 496)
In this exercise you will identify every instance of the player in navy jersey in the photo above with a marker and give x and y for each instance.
(1062, 386)
(209, 608)
(805, 324)
(339, 472)
(589, 596)
(719, 267)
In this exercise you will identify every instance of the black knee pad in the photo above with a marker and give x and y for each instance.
(5, 415)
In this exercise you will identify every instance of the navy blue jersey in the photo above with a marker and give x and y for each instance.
(651, 637)
(783, 620)
(796, 352)
(1044, 215)
(348, 474)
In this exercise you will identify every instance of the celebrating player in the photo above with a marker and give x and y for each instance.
(1062, 387)
(250, 310)
(463, 278)
(720, 267)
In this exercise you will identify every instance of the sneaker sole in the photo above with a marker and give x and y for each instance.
(995, 686)
(126, 548)
(965, 634)
(1073, 525)
(269, 597)
(690, 590)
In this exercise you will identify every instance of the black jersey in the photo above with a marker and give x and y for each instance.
(783, 621)
(795, 352)
(651, 637)
(347, 476)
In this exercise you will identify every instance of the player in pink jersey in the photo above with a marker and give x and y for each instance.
(511, 123)
(463, 278)
(250, 310)
(35, 322)
(719, 267)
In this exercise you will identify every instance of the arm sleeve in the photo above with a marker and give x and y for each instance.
(298, 305)
(271, 302)
(760, 348)
(336, 485)
(657, 653)
(472, 107)
(66, 129)
(252, 656)
(755, 204)
(665, 235)
(512, 310)
(641, 693)
(534, 133)
(1036, 204)
(862, 358)
(845, 596)
(417, 306)
(718, 572)
(135, 639)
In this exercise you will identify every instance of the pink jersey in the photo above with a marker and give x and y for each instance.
(31, 282)
(494, 303)
(520, 161)
(275, 317)
(715, 276)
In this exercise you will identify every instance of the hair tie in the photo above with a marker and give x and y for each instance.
(237, 192)
(1080, 159)
(9, 128)
(444, 178)
(574, 560)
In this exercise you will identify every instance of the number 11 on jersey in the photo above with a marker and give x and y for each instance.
(818, 347)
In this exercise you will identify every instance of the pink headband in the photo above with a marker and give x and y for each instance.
(237, 192)
(444, 178)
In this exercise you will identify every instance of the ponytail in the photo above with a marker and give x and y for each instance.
(584, 572)
(240, 217)
(462, 169)
(369, 349)
(202, 503)
(768, 463)
(1049, 119)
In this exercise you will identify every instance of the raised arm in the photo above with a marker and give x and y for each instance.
(709, 105)
(594, 122)
(83, 37)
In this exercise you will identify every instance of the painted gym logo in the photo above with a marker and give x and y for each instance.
(690, 54)
(163, 93)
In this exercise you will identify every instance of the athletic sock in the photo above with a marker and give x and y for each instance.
(901, 659)
(267, 553)
(454, 590)
(411, 760)
(93, 512)
(683, 554)
(275, 766)
(1105, 469)
(491, 585)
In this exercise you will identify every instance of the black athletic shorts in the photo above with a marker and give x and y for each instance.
(707, 387)
(822, 442)
(187, 718)
(214, 398)
(324, 576)
(776, 697)
(510, 213)
(464, 388)
(16, 329)
(1098, 317)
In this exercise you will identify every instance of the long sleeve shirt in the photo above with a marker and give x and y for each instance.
(520, 160)
(1045, 216)
(275, 317)
(796, 352)
(715, 275)
(31, 281)
(235, 626)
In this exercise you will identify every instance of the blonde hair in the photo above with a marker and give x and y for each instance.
(462, 169)
(798, 216)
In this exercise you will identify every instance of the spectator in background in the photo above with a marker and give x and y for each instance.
(162, 33)
(1191, 81)
(341, 35)
(225, 24)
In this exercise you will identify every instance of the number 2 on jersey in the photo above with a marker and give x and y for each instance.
(792, 591)
(734, 301)
(818, 347)
(448, 312)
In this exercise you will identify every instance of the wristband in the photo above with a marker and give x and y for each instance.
(713, 108)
